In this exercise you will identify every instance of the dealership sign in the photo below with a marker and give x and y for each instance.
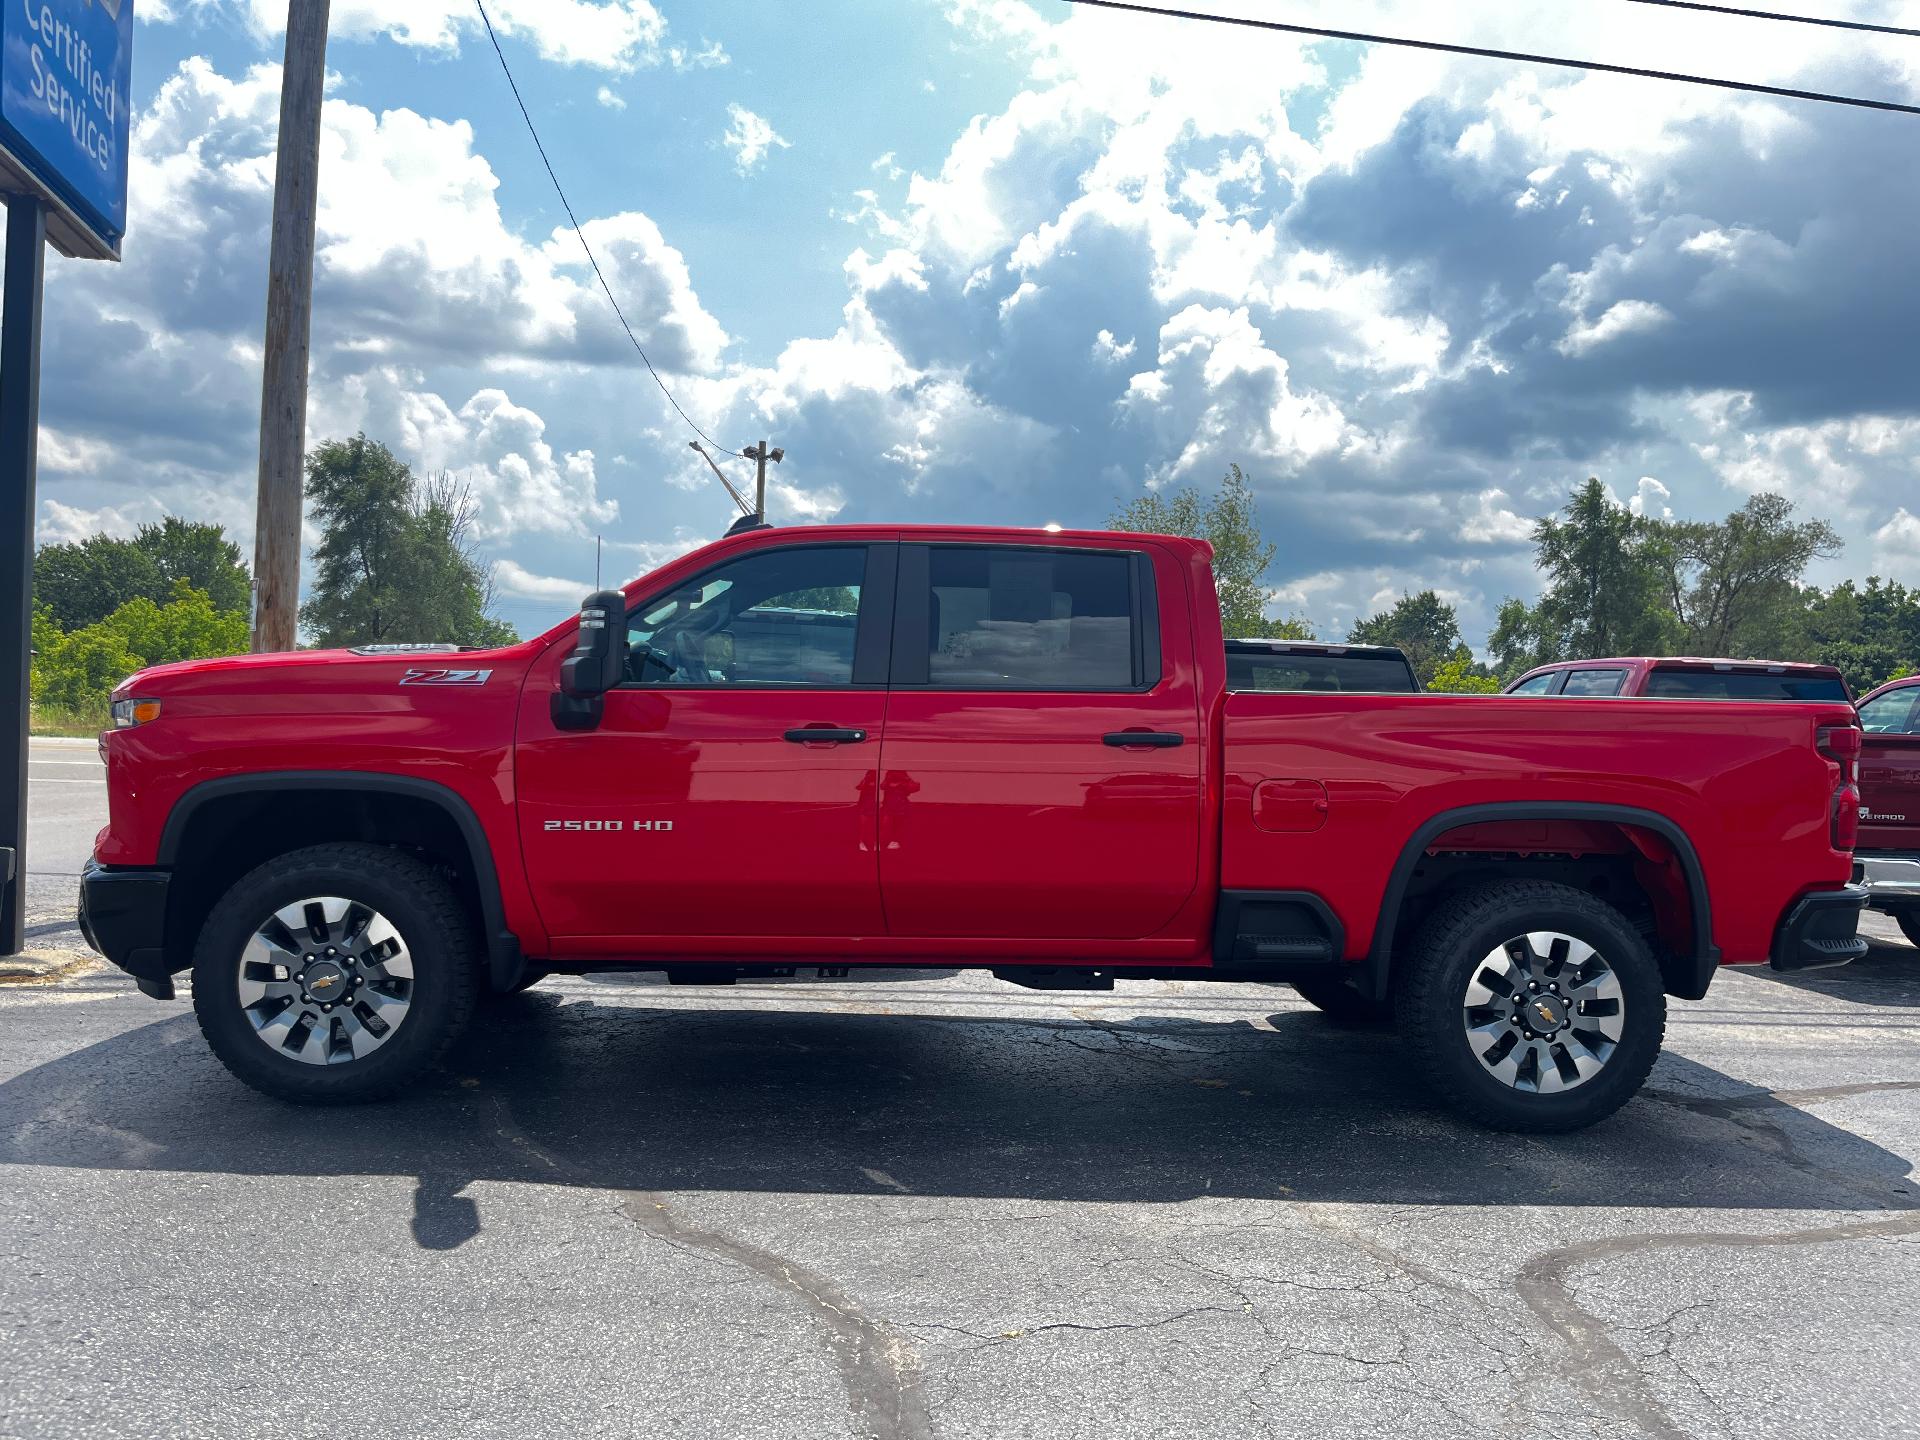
(66, 75)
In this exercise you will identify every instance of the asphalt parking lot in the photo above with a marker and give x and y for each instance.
(940, 1206)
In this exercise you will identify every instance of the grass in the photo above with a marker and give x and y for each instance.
(49, 720)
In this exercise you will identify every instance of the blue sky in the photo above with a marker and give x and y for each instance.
(1001, 260)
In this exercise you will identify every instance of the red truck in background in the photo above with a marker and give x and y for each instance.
(1012, 750)
(1887, 861)
(1685, 677)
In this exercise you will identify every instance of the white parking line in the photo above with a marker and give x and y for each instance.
(51, 780)
(90, 764)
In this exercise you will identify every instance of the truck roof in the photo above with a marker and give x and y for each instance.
(1718, 663)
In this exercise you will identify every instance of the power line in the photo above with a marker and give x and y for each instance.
(567, 205)
(1747, 86)
(1747, 14)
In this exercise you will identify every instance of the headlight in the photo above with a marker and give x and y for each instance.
(129, 713)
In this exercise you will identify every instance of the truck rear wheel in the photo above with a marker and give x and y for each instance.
(1532, 1006)
(1909, 923)
(335, 974)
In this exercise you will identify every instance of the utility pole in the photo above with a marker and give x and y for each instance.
(283, 385)
(760, 454)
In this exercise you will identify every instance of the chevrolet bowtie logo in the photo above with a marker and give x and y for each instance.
(326, 982)
(1544, 1010)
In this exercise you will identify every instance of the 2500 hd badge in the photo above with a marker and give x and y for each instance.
(599, 826)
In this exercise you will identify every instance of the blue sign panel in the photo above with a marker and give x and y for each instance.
(66, 79)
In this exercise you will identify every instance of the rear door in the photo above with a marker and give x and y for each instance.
(1890, 770)
(1041, 774)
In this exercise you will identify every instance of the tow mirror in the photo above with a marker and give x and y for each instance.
(598, 662)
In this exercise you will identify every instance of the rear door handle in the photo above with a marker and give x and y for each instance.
(1147, 739)
(825, 735)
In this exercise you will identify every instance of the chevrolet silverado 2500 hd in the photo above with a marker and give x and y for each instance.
(1014, 750)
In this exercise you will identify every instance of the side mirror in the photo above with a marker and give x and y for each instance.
(598, 662)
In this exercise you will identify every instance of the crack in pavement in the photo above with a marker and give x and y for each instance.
(880, 1370)
(1600, 1367)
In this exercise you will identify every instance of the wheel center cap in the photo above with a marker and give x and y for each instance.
(324, 981)
(1544, 1014)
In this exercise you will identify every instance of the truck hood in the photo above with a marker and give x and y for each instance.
(332, 671)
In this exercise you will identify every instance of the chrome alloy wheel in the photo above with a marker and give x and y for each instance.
(326, 980)
(1543, 1012)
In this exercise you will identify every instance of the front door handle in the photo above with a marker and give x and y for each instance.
(1146, 739)
(825, 735)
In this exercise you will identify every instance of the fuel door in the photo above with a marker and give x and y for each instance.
(1289, 806)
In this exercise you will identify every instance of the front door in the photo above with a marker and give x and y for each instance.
(1890, 770)
(729, 791)
(1041, 774)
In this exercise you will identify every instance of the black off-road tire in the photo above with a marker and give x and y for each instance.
(1432, 983)
(1909, 923)
(1342, 1004)
(422, 906)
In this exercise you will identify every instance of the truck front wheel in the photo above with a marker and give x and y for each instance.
(334, 974)
(1532, 1006)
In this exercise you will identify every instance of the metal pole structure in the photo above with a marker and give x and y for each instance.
(19, 452)
(761, 454)
(283, 385)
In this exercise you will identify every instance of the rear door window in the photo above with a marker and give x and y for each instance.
(1674, 684)
(1593, 682)
(1016, 618)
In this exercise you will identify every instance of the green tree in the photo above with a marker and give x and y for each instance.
(1422, 625)
(1463, 675)
(1735, 584)
(80, 671)
(200, 554)
(187, 627)
(85, 581)
(1228, 521)
(395, 561)
(1518, 642)
(1870, 632)
(1606, 569)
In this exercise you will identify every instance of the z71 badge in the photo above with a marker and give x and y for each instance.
(445, 677)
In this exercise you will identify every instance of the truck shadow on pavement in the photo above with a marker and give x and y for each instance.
(644, 1099)
(1888, 974)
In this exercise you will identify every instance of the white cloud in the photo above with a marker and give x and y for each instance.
(1494, 523)
(496, 448)
(64, 524)
(887, 166)
(601, 34)
(1627, 317)
(1650, 499)
(512, 578)
(1896, 547)
(1109, 351)
(610, 98)
(750, 138)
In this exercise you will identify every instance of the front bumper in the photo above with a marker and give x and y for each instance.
(1890, 877)
(1821, 930)
(123, 914)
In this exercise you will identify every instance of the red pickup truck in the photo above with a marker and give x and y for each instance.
(1685, 677)
(1013, 750)
(1888, 859)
